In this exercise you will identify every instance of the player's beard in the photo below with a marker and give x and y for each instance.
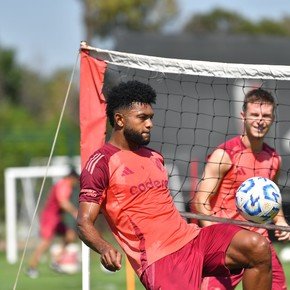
(135, 137)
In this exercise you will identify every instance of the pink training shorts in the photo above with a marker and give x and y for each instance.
(184, 269)
(50, 226)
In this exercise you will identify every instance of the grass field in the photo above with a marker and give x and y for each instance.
(49, 280)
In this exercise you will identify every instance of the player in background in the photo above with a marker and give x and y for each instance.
(232, 163)
(53, 220)
(127, 182)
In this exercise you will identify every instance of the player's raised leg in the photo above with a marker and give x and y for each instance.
(253, 251)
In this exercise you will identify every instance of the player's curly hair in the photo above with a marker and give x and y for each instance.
(124, 94)
(258, 95)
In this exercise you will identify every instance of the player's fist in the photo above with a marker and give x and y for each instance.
(111, 259)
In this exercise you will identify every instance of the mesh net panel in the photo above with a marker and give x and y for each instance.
(198, 107)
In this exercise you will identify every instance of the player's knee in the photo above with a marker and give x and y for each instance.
(259, 249)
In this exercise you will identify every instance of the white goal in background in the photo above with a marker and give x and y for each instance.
(22, 186)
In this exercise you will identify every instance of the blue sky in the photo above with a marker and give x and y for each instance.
(46, 34)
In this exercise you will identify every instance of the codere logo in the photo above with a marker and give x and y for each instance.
(142, 187)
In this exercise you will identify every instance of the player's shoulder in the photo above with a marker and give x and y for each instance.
(101, 156)
(226, 150)
(232, 146)
(231, 143)
(270, 149)
(106, 150)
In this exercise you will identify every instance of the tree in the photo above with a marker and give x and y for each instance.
(102, 17)
(10, 76)
(270, 27)
(42, 97)
(223, 21)
(30, 106)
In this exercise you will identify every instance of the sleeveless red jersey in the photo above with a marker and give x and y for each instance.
(245, 164)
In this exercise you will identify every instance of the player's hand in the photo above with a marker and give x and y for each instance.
(282, 235)
(111, 259)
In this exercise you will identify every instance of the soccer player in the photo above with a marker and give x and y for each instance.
(127, 182)
(52, 217)
(232, 163)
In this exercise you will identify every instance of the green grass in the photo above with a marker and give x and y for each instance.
(49, 280)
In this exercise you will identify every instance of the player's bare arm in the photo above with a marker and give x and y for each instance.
(217, 166)
(87, 215)
(280, 220)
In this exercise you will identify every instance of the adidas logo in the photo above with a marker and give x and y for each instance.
(127, 171)
(241, 171)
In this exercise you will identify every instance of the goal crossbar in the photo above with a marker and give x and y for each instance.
(192, 67)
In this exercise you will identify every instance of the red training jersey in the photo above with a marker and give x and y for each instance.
(245, 164)
(60, 191)
(131, 187)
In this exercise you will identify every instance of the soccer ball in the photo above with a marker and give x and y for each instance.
(258, 199)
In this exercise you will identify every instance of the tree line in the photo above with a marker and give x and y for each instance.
(30, 106)
(102, 18)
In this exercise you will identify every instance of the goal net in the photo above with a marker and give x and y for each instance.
(198, 108)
